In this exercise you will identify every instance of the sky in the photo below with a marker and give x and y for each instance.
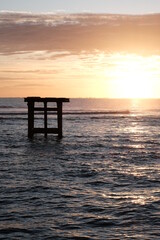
(47, 51)
(100, 6)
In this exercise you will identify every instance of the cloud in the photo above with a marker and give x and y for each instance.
(44, 71)
(74, 33)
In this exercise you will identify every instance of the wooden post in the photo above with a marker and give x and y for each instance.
(30, 119)
(45, 118)
(59, 115)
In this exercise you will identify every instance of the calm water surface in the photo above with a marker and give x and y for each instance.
(101, 181)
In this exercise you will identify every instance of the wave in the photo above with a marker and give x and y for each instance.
(12, 113)
(12, 107)
(93, 114)
(96, 112)
(6, 107)
(68, 113)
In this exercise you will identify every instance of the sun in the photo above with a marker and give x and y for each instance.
(132, 78)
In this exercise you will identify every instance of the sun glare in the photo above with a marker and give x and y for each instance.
(132, 77)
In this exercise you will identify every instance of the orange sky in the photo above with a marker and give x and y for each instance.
(79, 55)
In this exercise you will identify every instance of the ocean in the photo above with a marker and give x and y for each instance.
(100, 181)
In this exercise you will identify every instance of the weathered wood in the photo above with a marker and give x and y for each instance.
(30, 119)
(49, 99)
(45, 118)
(59, 106)
(48, 130)
(48, 109)
(44, 110)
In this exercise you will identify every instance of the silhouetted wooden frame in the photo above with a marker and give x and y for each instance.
(31, 110)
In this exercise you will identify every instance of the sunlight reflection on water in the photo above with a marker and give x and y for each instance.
(100, 181)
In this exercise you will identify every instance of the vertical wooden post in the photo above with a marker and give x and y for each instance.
(30, 119)
(59, 113)
(45, 118)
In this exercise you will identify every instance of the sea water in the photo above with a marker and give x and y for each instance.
(100, 181)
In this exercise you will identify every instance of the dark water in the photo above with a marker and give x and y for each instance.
(101, 181)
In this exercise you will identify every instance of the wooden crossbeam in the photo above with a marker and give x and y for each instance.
(48, 130)
(48, 109)
(48, 99)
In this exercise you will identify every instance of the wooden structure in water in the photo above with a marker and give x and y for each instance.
(44, 110)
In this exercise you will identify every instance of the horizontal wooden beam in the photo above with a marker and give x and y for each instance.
(45, 109)
(39, 99)
(48, 130)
